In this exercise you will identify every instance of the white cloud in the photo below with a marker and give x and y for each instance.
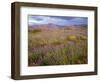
(55, 20)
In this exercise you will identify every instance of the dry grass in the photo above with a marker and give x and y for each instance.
(57, 46)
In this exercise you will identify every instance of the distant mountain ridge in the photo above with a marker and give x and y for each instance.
(55, 26)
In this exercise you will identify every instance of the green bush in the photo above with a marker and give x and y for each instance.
(57, 42)
(78, 59)
(83, 37)
(72, 38)
(72, 54)
(35, 57)
(79, 54)
(56, 57)
(36, 31)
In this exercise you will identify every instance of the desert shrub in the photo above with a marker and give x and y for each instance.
(68, 28)
(74, 50)
(79, 54)
(56, 57)
(72, 38)
(83, 37)
(36, 31)
(73, 53)
(56, 42)
(44, 42)
(35, 57)
(79, 59)
(36, 42)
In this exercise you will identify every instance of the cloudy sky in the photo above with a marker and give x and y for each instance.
(57, 20)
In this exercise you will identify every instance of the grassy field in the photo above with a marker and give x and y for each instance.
(57, 46)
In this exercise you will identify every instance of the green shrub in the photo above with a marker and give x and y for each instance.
(35, 57)
(56, 57)
(36, 42)
(72, 38)
(79, 54)
(56, 42)
(79, 59)
(83, 37)
(36, 31)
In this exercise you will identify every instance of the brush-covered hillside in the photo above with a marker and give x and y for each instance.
(55, 45)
